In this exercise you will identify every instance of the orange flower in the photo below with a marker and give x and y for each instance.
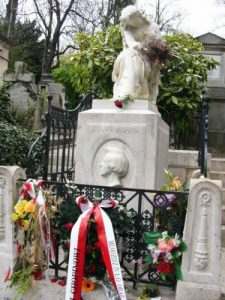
(87, 285)
(176, 184)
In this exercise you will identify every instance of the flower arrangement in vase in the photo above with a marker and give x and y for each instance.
(165, 254)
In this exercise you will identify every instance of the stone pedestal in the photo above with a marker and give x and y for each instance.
(121, 147)
(202, 234)
(8, 193)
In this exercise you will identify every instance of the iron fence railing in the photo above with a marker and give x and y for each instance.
(52, 154)
(151, 210)
(203, 136)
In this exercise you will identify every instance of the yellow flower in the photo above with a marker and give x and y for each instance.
(19, 207)
(176, 184)
(14, 216)
(30, 207)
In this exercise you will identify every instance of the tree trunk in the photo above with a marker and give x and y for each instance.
(11, 16)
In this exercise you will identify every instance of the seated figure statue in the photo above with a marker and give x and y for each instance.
(134, 74)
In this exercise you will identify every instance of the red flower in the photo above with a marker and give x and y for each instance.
(69, 226)
(118, 103)
(165, 267)
(68, 245)
(37, 275)
(19, 248)
(54, 279)
(62, 283)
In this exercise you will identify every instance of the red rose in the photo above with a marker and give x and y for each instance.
(37, 275)
(54, 279)
(165, 267)
(62, 283)
(69, 226)
(118, 103)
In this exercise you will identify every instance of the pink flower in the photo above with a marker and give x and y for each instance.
(165, 246)
(118, 103)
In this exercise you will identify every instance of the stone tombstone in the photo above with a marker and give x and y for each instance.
(8, 193)
(126, 147)
(121, 147)
(202, 234)
(214, 46)
(56, 90)
(23, 92)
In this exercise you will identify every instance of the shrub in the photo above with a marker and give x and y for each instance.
(14, 145)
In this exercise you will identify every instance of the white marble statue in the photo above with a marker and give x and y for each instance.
(114, 166)
(134, 74)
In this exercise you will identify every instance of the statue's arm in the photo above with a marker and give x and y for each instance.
(130, 40)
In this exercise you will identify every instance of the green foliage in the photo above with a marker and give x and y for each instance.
(22, 281)
(152, 237)
(25, 119)
(150, 290)
(14, 145)
(90, 68)
(182, 82)
(27, 47)
(5, 114)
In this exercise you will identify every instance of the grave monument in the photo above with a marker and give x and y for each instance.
(127, 144)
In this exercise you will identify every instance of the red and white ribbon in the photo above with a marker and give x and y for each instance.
(107, 245)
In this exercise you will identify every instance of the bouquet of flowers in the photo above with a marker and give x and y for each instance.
(165, 254)
(157, 51)
(34, 238)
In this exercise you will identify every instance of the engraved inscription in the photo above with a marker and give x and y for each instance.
(115, 131)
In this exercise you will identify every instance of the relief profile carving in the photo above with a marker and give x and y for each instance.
(114, 166)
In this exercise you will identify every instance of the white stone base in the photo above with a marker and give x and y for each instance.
(197, 291)
(137, 131)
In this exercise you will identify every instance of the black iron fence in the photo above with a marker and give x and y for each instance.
(151, 210)
(52, 154)
(203, 136)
